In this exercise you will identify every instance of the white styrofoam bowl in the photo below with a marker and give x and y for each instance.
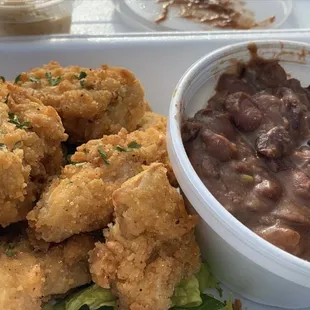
(239, 258)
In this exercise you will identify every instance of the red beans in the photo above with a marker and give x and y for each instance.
(218, 146)
(245, 115)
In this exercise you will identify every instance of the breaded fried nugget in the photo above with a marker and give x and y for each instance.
(91, 102)
(153, 120)
(151, 247)
(80, 200)
(28, 276)
(27, 154)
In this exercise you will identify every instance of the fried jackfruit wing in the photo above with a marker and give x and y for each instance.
(91, 102)
(28, 276)
(151, 247)
(80, 200)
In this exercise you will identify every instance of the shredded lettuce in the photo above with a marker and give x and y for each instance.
(189, 294)
(93, 296)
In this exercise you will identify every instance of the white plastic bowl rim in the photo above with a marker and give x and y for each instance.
(288, 264)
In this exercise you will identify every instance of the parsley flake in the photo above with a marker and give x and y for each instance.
(2, 145)
(103, 155)
(13, 119)
(130, 147)
(121, 149)
(134, 145)
(53, 82)
(2, 78)
(17, 79)
(34, 80)
(9, 249)
(82, 75)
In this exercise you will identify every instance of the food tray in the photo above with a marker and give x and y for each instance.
(139, 53)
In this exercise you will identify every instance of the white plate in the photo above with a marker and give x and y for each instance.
(159, 75)
(144, 13)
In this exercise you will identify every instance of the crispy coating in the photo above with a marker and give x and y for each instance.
(25, 153)
(91, 102)
(151, 247)
(28, 276)
(80, 200)
(153, 120)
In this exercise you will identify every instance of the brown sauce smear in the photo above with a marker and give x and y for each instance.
(216, 13)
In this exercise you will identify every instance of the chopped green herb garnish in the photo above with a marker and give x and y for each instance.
(103, 155)
(130, 147)
(2, 78)
(17, 79)
(121, 149)
(13, 119)
(134, 145)
(34, 80)
(2, 145)
(10, 253)
(17, 145)
(6, 99)
(53, 82)
(82, 75)
(9, 249)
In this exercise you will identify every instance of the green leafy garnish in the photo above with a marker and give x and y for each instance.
(121, 149)
(187, 293)
(103, 155)
(13, 119)
(134, 145)
(190, 292)
(2, 145)
(130, 147)
(206, 279)
(82, 75)
(34, 80)
(2, 78)
(17, 79)
(53, 82)
(9, 251)
(93, 296)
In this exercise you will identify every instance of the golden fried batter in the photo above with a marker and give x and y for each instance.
(151, 247)
(27, 276)
(91, 102)
(30, 150)
(153, 120)
(80, 199)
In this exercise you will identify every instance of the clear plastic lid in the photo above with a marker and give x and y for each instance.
(144, 13)
(24, 11)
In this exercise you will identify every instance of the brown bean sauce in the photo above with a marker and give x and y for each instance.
(229, 14)
(251, 148)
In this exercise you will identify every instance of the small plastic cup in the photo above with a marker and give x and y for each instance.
(240, 259)
(35, 17)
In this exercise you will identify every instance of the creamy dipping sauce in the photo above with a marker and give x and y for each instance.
(32, 17)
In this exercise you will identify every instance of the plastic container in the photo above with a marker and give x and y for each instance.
(35, 17)
(240, 259)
